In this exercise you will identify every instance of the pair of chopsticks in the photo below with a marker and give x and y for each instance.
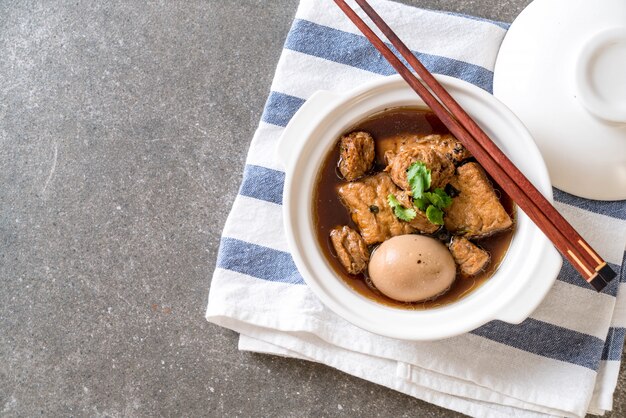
(565, 238)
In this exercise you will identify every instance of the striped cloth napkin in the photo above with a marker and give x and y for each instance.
(563, 361)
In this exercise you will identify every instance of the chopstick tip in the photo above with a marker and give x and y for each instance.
(607, 273)
(598, 282)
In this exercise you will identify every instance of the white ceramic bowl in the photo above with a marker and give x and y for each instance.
(511, 294)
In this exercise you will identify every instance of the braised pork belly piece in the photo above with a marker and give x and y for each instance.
(356, 155)
(350, 248)
(446, 145)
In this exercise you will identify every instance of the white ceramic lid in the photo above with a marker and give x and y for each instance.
(562, 70)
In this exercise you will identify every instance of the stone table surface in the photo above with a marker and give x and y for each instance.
(123, 127)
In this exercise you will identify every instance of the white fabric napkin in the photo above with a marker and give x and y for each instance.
(563, 361)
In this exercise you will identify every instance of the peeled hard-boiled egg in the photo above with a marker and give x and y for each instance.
(411, 268)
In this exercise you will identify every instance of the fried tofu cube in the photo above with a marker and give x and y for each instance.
(476, 212)
(366, 200)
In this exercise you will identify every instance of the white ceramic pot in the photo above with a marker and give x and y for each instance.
(528, 270)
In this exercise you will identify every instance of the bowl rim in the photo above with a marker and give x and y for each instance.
(313, 145)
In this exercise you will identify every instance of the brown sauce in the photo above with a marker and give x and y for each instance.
(330, 212)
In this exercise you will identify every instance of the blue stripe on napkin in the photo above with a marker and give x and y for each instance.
(546, 340)
(263, 184)
(356, 51)
(532, 335)
(280, 108)
(257, 261)
(614, 344)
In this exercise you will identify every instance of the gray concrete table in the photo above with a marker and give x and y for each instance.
(123, 129)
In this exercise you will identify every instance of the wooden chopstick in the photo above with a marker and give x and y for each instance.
(580, 254)
(592, 261)
(586, 253)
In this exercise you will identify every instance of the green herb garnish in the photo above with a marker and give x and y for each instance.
(418, 177)
(433, 202)
(421, 203)
(439, 198)
(402, 213)
(434, 215)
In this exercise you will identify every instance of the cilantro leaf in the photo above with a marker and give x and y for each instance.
(400, 211)
(446, 199)
(438, 198)
(421, 203)
(418, 177)
(433, 203)
(434, 215)
(432, 199)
